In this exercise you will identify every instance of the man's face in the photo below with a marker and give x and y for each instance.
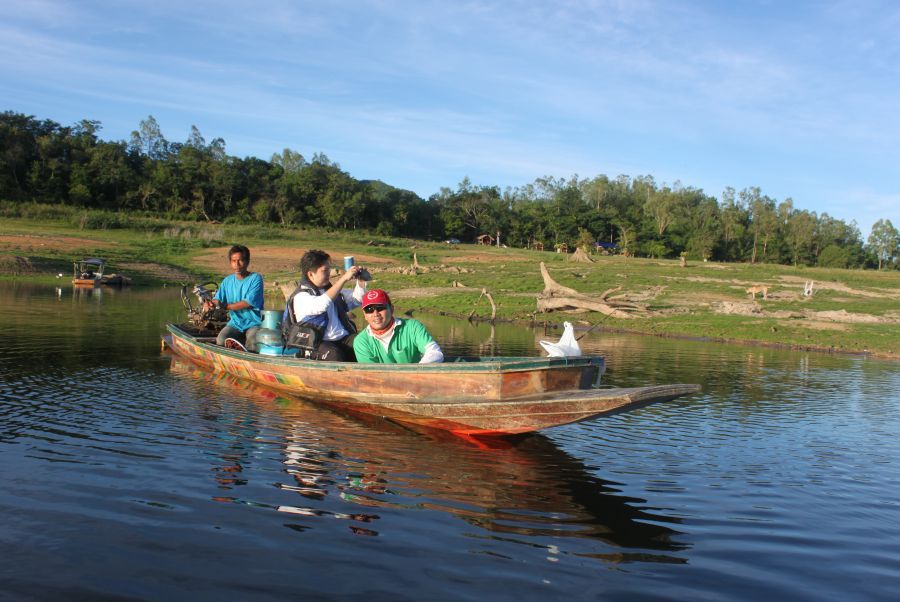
(238, 265)
(378, 316)
(321, 276)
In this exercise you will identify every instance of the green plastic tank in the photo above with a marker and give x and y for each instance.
(268, 339)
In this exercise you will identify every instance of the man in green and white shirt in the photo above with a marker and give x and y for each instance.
(390, 340)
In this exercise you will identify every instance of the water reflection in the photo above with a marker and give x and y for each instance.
(125, 479)
(82, 293)
(525, 490)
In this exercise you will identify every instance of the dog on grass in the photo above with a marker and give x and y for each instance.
(758, 289)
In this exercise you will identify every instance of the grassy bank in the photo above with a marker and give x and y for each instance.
(851, 311)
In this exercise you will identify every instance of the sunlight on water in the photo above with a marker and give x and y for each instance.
(130, 473)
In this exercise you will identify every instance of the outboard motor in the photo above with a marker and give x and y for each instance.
(201, 318)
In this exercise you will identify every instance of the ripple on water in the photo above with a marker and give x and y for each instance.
(126, 472)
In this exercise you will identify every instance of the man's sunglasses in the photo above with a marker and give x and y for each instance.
(373, 308)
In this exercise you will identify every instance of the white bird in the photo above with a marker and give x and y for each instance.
(566, 346)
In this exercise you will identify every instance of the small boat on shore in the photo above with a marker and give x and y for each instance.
(471, 395)
(89, 272)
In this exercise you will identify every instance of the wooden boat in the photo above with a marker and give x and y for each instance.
(472, 396)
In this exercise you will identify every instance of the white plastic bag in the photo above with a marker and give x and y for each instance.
(567, 345)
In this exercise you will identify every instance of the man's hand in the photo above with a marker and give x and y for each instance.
(349, 275)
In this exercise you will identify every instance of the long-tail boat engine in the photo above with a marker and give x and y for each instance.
(202, 315)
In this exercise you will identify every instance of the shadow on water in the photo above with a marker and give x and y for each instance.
(525, 490)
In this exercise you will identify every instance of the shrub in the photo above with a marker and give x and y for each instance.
(834, 256)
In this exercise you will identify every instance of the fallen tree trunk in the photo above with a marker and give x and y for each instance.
(558, 297)
(607, 293)
(561, 303)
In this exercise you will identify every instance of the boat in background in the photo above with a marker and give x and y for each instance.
(89, 272)
(465, 395)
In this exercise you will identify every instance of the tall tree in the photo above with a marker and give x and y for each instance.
(801, 236)
(704, 230)
(883, 241)
(289, 160)
(148, 139)
(734, 219)
(662, 206)
(196, 139)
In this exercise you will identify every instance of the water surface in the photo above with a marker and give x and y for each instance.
(128, 473)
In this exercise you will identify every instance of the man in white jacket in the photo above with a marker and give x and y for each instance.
(325, 306)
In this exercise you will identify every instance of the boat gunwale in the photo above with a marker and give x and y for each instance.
(493, 365)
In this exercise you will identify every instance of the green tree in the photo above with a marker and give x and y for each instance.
(586, 240)
(48, 177)
(763, 222)
(110, 174)
(196, 140)
(148, 139)
(662, 206)
(734, 219)
(289, 160)
(883, 241)
(626, 238)
(801, 235)
(835, 234)
(704, 229)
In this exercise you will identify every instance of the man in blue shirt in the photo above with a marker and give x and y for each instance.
(241, 294)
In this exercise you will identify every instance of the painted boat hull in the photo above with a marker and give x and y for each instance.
(490, 396)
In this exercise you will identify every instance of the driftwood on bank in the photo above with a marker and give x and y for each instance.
(608, 292)
(485, 293)
(558, 297)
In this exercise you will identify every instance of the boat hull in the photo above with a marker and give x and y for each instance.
(492, 396)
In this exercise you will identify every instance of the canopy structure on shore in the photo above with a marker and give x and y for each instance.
(88, 271)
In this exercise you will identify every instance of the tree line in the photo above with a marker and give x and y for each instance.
(44, 162)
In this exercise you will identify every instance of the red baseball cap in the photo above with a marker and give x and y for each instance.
(375, 297)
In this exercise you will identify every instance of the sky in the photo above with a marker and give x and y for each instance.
(799, 98)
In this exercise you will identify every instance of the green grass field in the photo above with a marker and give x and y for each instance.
(850, 311)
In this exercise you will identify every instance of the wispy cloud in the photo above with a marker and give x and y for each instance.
(797, 97)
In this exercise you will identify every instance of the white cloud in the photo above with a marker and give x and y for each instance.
(786, 99)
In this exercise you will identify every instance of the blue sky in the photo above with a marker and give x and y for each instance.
(798, 98)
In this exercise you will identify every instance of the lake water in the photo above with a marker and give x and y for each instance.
(127, 474)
